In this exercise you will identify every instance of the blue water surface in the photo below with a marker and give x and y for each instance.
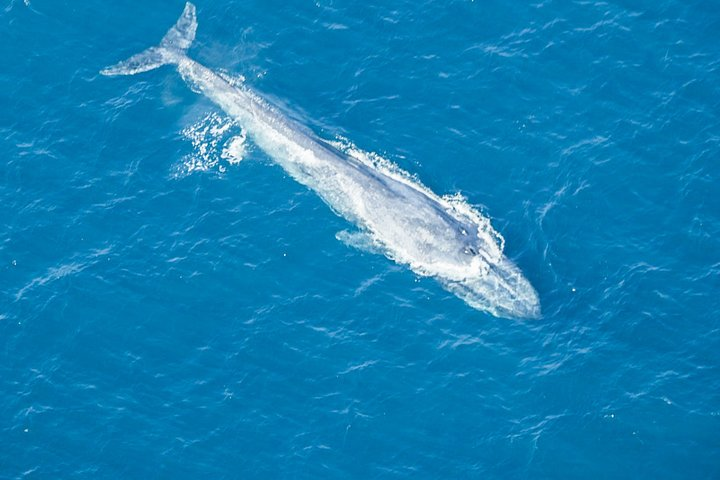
(160, 321)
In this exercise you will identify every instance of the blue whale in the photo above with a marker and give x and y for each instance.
(434, 236)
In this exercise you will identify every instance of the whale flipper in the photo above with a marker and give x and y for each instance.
(172, 47)
(360, 240)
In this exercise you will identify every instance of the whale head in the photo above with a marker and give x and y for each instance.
(498, 288)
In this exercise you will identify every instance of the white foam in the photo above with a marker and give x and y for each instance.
(235, 149)
(214, 145)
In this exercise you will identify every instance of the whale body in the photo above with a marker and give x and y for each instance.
(394, 213)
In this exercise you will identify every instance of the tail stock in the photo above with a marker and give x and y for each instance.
(173, 45)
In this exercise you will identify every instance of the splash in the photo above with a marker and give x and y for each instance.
(235, 149)
(215, 145)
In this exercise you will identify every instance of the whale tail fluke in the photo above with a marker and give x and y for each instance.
(173, 46)
(182, 34)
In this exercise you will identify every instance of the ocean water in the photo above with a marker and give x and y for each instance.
(174, 305)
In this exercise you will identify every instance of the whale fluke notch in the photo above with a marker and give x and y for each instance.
(173, 45)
